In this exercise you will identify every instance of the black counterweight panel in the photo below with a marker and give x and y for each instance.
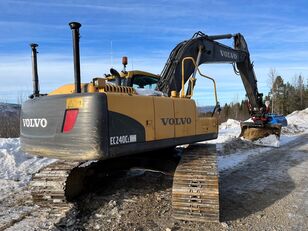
(121, 125)
(88, 139)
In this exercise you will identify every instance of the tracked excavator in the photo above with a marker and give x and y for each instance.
(125, 119)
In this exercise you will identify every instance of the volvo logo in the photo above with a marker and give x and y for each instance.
(228, 54)
(176, 121)
(35, 123)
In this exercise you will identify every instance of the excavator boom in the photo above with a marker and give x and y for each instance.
(211, 52)
(206, 49)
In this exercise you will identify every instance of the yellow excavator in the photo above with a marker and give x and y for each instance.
(115, 120)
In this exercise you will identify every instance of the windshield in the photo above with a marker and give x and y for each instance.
(143, 81)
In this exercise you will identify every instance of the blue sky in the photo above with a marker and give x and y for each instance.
(146, 32)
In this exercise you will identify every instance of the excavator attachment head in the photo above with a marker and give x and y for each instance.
(252, 131)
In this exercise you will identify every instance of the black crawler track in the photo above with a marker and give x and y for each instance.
(195, 191)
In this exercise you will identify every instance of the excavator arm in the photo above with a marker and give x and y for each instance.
(206, 49)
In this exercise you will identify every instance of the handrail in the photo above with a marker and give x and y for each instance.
(205, 76)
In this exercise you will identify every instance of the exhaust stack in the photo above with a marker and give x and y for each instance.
(75, 32)
(36, 90)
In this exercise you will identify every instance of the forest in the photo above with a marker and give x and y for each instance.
(284, 98)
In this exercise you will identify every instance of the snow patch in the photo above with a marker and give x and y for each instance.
(299, 118)
(17, 167)
(297, 123)
(228, 131)
(230, 124)
(270, 141)
(235, 159)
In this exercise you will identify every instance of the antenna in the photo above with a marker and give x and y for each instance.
(111, 58)
(132, 63)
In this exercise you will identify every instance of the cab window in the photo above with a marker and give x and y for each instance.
(145, 82)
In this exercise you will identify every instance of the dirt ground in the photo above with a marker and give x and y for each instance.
(268, 192)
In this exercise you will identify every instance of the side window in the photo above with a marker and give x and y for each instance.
(144, 82)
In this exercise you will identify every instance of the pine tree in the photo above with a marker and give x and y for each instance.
(278, 92)
(300, 91)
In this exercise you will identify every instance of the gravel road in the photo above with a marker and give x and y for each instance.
(268, 192)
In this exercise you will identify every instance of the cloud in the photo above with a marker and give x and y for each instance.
(146, 32)
(164, 8)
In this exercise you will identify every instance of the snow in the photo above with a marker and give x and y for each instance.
(297, 123)
(299, 118)
(148, 92)
(229, 132)
(230, 161)
(270, 141)
(17, 167)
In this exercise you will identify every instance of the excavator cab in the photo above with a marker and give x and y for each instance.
(133, 78)
(144, 82)
(140, 79)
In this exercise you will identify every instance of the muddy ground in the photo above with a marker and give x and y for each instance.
(268, 192)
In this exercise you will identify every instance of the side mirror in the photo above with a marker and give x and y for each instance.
(115, 73)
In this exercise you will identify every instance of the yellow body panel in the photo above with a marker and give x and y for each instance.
(162, 117)
(70, 89)
(206, 125)
(140, 108)
(164, 109)
(184, 114)
(65, 89)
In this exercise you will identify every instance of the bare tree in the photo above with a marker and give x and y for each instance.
(272, 74)
(271, 80)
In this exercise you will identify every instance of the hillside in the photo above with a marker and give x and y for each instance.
(9, 120)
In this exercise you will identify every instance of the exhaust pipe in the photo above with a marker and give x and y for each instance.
(75, 32)
(221, 36)
(36, 90)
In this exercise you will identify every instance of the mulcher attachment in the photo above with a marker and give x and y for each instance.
(195, 192)
(252, 131)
